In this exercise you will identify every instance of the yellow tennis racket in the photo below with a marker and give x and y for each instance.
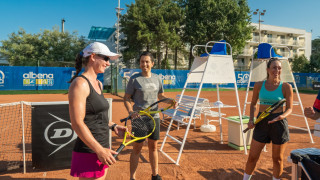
(267, 112)
(143, 126)
(160, 106)
(137, 128)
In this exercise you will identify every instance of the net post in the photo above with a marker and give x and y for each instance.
(110, 120)
(23, 138)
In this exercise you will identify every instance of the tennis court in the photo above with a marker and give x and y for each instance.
(203, 156)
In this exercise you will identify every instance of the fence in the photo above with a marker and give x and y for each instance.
(175, 79)
(118, 82)
(56, 78)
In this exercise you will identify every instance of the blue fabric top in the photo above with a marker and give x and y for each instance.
(270, 97)
(264, 51)
(316, 105)
(218, 48)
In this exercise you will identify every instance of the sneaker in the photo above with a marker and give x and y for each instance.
(157, 177)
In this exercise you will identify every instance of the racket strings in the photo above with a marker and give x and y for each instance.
(141, 126)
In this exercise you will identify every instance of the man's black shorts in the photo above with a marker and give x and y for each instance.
(277, 133)
(156, 134)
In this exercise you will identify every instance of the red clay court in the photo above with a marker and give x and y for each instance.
(203, 156)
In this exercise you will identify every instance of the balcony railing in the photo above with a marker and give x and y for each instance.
(278, 41)
(247, 52)
(255, 39)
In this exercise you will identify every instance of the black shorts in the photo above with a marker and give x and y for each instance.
(277, 133)
(156, 133)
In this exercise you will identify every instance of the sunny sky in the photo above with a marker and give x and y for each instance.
(80, 15)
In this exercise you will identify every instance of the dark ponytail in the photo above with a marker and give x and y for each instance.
(78, 66)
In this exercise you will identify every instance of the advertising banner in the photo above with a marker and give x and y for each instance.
(171, 79)
(36, 78)
(52, 136)
(175, 79)
(306, 80)
(56, 78)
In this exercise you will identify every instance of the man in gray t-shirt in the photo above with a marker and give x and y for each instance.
(144, 90)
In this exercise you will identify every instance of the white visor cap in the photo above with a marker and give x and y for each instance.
(99, 48)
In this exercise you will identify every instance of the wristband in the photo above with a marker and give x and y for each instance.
(113, 126)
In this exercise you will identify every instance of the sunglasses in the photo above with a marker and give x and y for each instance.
(106, 58)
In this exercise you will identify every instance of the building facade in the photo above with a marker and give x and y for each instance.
(288, 42)
(4, 61)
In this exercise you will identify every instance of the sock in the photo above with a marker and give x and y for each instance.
(273, 178)
(246, 176)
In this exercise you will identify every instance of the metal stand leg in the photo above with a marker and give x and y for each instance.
(294, 173)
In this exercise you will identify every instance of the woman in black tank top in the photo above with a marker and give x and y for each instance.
(88, 111)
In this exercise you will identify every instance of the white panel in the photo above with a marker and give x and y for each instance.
(259, 71)
(286, 74)
(220, 69)
(197, 69)
(199, 64)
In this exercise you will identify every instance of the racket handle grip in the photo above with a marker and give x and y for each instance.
(124, 119)
(119, 150)
(247, 129)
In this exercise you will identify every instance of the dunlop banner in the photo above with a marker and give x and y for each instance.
(52, 136)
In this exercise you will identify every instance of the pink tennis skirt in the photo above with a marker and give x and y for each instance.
(86, 165)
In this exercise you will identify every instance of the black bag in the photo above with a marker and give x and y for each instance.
(311, 164)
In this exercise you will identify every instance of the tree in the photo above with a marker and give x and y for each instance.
(151, 25)
(47, 47)
(214, 20)
(174, 16)
(314, 65)
(300, 64)
(138, 28)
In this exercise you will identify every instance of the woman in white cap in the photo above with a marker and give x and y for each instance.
(88, 111)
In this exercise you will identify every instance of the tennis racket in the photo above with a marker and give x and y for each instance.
(160, 106)
(267, 112)
(138, 129)
(143, 126)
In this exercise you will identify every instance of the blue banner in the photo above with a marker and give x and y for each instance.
(175, 79)
(36, 78)
(171, 79)
(56, 78)
(305, 80)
